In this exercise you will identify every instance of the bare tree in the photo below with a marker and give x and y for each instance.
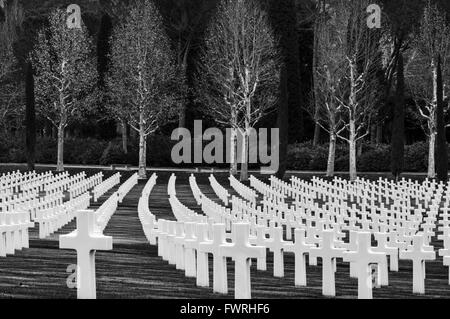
(10, 91)
(240, 69)
(65, 74)
(431, 45)
(330, 84)
(362, 57)
(143, 77)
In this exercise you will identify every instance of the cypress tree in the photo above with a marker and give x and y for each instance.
(398, 125)
(103, 47)
(30, 117)
(284, 22)
(441, 140)
(106, 128)
(283, 119)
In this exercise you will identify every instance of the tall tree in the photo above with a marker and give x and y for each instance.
(10, 90)
(399, 21)
(362, 61)
(106, 124)
(398, 125)
(283, 14)
(30, 117)
(65, 74)
(185, 20)
(441, 139)
(240, 69)
(283, 123)
(330, 73)
(431, 49)
(143, 79)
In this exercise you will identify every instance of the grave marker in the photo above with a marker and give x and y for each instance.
(85, 241)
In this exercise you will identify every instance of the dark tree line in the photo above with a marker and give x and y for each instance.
(294, 25)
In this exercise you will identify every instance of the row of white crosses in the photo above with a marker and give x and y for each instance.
(12, 180)
(195, 189)
(410, 249)
(88, 238)
(36, 181)
(28, 198)
(85, 185)
(401, 229)
(62, 182)
(216, 212)
(14, 232)
(126, 187)
(16, 201)
(244, 191)
(148, 220)
(52, 219)
(171, 189)
(187, 243)
(21, 182)
(43, 203)
(317, 234)
(268, 192)
(104, 213)
(105, 186)
(220, 191)
(444, 227)
(18, 188)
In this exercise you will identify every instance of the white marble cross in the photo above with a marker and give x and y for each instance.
(362, 259)
(241, 251)
(86, 241)
(445, 253)
(300, 248)
(385, 247)
(202, 257)
(328, 253)
(418, 253)
(179, 246)
(220, 278)
(261, 240)
(191, 245)
(277, 245)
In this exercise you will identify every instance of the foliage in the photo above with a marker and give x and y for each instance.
(238, 73)
(143, 80)
(65, 71)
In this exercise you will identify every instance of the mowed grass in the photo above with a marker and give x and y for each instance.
(133, 269)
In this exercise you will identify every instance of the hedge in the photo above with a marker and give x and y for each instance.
(89, 151)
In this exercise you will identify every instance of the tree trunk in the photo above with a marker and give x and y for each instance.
(431, 156)
(379, 133)
(182, 117)
(373, 134)
(360, 146)
(233, 153)
(398, 125)
(352, 151)
(60, 156)
(184, 61)
(441, 139)
(124, 136)
(283, 123)
(244, 164)
(316, 140)
(30, 119)
(331, 155)
(142, 151)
